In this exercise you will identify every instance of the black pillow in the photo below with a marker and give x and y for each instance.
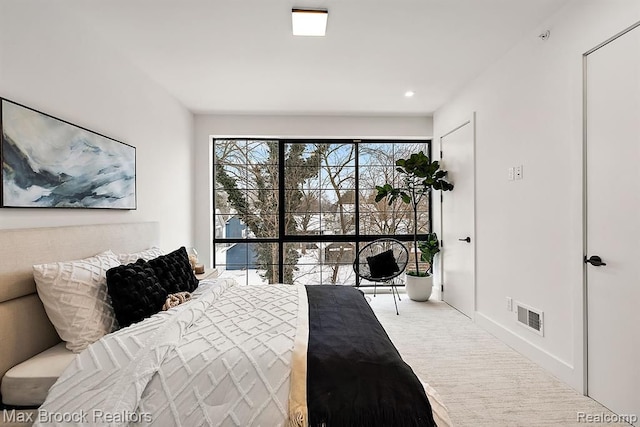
(135, 292)
(174, 271)
(382, 265)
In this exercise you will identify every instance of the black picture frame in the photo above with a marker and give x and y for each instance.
(48, 162)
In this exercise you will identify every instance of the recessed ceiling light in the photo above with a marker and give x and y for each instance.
(309, 22)
(409, 93)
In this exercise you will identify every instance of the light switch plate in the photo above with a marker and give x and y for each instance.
(518, 172)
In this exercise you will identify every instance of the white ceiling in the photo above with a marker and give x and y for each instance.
(238, 56)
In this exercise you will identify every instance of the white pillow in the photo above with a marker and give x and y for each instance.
(74, 295)
(146, 255)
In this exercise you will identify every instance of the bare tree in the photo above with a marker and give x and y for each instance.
(380, 217)
(248, 171)
(338, 165)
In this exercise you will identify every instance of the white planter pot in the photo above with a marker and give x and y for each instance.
(419, 288)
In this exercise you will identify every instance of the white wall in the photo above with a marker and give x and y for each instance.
(50, 62)
(529, 232)
(207, 126)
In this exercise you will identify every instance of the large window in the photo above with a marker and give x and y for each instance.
(298, 210)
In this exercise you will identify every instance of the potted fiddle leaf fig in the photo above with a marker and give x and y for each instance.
(419, 176)
(429, 247)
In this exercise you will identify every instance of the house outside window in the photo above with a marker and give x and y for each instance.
(299, 210)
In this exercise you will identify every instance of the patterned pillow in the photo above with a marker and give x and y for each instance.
(146, 255)
(74, 295)
(135, 292)
(174, 271)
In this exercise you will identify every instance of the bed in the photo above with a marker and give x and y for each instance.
(232, 355)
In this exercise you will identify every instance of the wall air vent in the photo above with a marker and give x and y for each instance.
(530, 318)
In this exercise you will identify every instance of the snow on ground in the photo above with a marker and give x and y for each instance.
(310, 272)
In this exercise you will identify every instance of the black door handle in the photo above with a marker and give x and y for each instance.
(466, 239)
(594, 260)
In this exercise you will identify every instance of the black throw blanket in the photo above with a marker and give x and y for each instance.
(355, 375)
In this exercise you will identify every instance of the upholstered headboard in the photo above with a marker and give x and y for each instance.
(25, 329)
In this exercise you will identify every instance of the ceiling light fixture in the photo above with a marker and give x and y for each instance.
(309, 22)
(409, 93)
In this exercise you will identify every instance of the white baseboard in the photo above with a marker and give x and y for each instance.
(559, 368)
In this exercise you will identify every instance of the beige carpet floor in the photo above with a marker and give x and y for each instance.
(481, 380)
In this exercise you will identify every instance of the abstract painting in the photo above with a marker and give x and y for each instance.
(50, 163)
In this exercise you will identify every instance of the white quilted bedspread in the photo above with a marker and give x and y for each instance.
(223, 359)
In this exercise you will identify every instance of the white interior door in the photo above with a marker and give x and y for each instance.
(458, 251)
(613, 223)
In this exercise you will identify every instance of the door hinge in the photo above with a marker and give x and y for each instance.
(442, 243)
(441, 155)
(441, 198)
(442, 287)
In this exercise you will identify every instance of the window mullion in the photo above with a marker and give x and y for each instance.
(281, 209)
(356, 198)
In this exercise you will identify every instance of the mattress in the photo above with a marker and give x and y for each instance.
(28, 383)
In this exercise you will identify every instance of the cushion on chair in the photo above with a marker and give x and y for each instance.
(382, 265)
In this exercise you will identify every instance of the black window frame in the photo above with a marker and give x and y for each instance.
(358, 239)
